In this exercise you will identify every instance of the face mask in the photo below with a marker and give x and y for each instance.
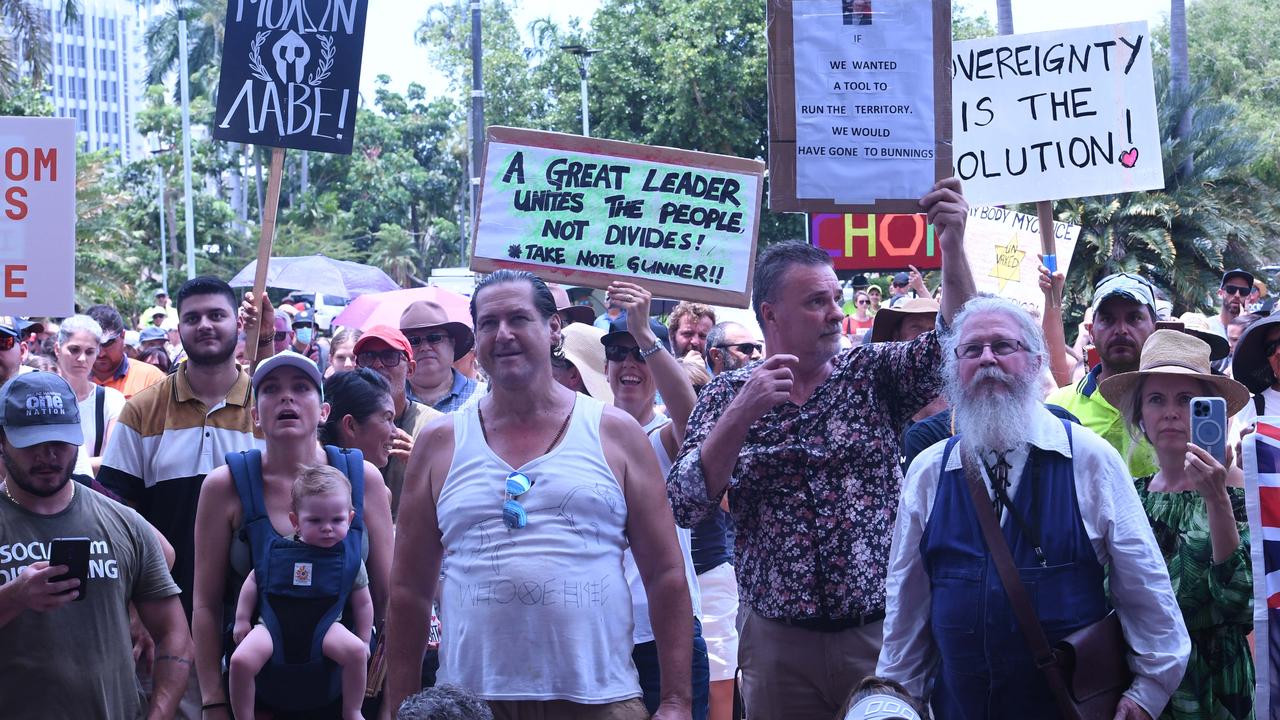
(304, 335)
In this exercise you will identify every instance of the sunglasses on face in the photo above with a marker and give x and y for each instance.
(1236, 290)
(513, 513)
(618, 353)
(282, 335)
(864, 302)
(389, 358)
(746, 348)
(434, 338)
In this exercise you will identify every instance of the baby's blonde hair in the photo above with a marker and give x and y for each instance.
(320, 480)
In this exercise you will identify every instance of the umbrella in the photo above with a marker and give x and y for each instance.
(317, 273)
(385, 308)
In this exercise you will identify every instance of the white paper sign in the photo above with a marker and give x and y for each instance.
(1056, 115)
(864, 100)
(37, 216)
(1001, 246)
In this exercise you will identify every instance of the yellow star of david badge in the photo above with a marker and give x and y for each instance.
(1008, 265)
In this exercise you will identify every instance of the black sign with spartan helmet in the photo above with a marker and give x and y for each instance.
(291, 73)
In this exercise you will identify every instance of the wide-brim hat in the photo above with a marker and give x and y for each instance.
(1174, 353)
(1249, 364)
(1198, 325)
(888, 319)
(428, 315)
(570, 312)
(582, 347)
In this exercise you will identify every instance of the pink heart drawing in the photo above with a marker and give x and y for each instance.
(1129, 158)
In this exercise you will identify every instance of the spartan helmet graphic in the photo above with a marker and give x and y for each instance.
(291, 50)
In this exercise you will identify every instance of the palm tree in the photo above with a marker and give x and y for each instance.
(395, 251)
(206, 28)
(25, 44)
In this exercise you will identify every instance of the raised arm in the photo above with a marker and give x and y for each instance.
(1055, 333)
(669, 377)
(948, 212)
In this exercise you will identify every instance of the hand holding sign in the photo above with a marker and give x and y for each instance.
(948, 212)
(634, 301)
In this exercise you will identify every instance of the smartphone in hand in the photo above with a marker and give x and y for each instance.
(74, 553)
(1209, 426)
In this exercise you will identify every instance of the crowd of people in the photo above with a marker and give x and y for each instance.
(546, 514)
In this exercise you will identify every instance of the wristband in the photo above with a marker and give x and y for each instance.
(266, 340)
(210, 706)
(644, 354)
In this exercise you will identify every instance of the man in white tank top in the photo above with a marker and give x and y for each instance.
(534, 512)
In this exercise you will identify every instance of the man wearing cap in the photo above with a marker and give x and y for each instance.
(385, 350)
(437, 343)
(1237, 286)
(60, 658)
(160, 312)
(806, 444)
(1124, 316)
(305, 341)
(112, 368)
(1073, 523)
(152, 337)
(13, 351)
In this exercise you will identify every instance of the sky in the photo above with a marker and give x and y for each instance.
(389, 47)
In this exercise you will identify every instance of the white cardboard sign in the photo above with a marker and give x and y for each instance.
(37, 216)
(1056, 115)
(1001, 246)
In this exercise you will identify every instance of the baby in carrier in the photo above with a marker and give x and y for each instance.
(321, 516)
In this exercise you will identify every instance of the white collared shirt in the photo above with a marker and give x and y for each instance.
(1117, 528)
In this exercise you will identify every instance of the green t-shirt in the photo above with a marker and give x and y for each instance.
(77, 661)
(1085, 402)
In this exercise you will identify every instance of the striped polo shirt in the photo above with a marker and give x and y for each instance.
(164, 443)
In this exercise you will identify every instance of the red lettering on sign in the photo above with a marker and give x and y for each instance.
(13, 282)
(16, 199)
(876, 242)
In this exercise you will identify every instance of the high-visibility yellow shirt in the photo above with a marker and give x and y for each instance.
(1085, 402)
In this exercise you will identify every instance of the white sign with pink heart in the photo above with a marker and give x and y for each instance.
(1055, 115)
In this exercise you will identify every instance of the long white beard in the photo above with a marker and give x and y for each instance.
(993, 416)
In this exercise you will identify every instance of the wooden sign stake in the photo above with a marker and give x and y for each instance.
(265, 242)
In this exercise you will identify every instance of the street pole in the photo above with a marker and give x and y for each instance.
(164, 236)
(477, 122)
(583, 54)
(188, 202)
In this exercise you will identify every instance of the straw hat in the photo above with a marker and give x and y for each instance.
(582, 348)
(888, 319)
(1194, 323)
(1174, 353)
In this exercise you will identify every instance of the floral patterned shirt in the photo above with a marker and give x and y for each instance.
(815, 489)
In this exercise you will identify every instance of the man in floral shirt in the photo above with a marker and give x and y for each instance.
(807, 443)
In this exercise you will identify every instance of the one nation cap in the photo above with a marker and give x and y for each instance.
(39, 407)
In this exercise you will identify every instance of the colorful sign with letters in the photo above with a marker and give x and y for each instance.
(291, 73)
(586, 211)
(38, 216)
(1262, 500)
(1055, 115)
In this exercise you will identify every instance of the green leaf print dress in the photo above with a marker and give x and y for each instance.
(1216, 602)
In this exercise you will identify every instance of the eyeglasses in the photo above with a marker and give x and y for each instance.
(864, 302)
(513, 513)
(389, 358)
(746, 348)
(1236, 290)
(282, 335)
(618, 353)
(899, 285)
(1000, 348)
(7, 342)
(434, 338)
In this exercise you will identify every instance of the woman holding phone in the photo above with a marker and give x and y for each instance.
(1195, 505)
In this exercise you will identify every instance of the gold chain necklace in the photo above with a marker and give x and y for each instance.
(14, 500)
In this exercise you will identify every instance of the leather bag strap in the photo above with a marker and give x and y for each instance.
(1042, 654)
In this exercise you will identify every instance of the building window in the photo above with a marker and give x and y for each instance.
(82, 120)
(80, 61)
(61, 91)
(59, 46)
(84, 89)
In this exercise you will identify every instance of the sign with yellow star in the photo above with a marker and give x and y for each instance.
(1008, 265)
(1003, 248)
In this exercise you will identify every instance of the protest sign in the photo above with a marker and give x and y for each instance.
(586, 211)
(1001, 246)
(876, 242)
(291, 73)
(1056, 115)
(38, 216)
(859, 104)
(1262, 502)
